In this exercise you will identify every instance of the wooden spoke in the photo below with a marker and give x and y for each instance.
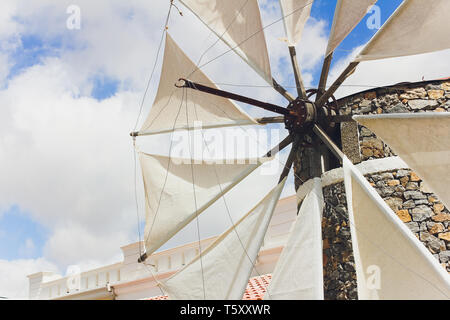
(282, 91)
(297, 74)
(328, 142)
(348, 71)
(225, 94)
(324, 75)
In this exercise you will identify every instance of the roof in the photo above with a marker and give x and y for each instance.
(256, 288)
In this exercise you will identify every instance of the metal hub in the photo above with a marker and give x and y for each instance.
(302, 115)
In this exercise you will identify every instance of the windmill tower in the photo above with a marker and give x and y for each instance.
(357, 223)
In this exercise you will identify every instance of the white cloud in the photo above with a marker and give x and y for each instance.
(28, 248)
(7, 24)
(4, 68)
(67, 160)
(13, 276)
(76, 244)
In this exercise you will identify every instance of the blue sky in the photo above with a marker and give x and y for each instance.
(324, 9)
(17, 226)
(31, 52)
(20, 236)
(34, 49)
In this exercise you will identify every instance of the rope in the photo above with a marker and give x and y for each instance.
(167, 170)
(226, 204)
(159, 284)
(154, 65)
(135, 196)
(218, 39)
(195, 198)
(137, 121)
(254, 34)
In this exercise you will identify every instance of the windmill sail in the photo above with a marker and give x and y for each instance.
(169, 112)
(238, 23)
(177, 190)
(223, 269)
(422, 140)
(295, 13)
(416, 27)
(298, 274)
(391, 263)
(347, 15)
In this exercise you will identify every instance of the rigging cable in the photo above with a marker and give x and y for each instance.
(137, 121)
(226, 204)
(162, 191)
(195, 197)
(167, 170)
(154, 65)
(197, 67)
(140, 111)
(225, 201)
(254, 34)
(218, 38)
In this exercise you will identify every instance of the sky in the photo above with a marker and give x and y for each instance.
(70, 95)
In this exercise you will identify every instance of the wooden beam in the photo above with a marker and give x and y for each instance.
(266, 120)
(282, 91)
(324, 75)
(225, 94)
(328, 142)
(347, 72)
(297, 74)
(289, 161)
(283, 144)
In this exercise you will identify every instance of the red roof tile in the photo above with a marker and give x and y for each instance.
(256, 288)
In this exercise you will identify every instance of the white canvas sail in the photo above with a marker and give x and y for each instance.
(169, 113)
(295, 13)
(238, 23)
(422, 140)
(416, 27)
(298, 274)
(347, 15)
(391, 263)
(223, 269)
(171, 200)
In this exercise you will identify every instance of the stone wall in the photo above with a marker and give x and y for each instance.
(403, 190)
(408, 98)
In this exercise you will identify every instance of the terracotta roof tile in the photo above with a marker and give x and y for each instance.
(256, 287)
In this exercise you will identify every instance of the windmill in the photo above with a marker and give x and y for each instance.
(178, 190)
